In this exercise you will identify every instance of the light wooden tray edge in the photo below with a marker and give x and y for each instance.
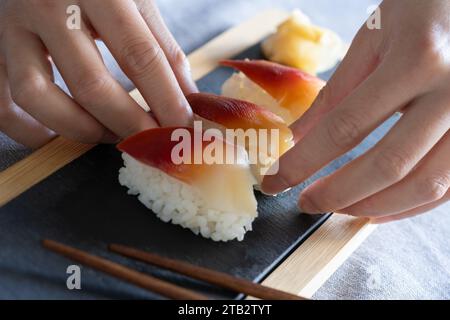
(312, 264)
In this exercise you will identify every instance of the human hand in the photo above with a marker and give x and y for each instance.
(33, 109)
(404, 66)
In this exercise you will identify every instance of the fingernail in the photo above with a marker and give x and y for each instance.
(274, 195)
(110, 138)
(273, 185)
(188, 87)
(306, 205)
(193, 87)
(285, 190)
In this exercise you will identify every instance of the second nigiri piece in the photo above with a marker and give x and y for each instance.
(264, 135)
(286, 91)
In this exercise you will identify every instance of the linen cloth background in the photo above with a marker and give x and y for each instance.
(403, 260)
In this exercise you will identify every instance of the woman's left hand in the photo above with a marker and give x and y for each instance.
(404, 66)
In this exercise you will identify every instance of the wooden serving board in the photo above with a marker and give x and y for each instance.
(69, 192)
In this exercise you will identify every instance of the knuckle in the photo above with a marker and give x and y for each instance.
(26, 89)
(433, 187)
(344, 130)
(91, 87)
(140, 56)
(179, 57)
(392, 164)
(431, 55)
(179, 61)
(90, 134)
(429, 47)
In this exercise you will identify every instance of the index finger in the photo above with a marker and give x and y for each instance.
(139, 54)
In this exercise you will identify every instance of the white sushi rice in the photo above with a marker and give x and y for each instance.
(177, 202)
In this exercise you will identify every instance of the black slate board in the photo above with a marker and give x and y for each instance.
(83, 205)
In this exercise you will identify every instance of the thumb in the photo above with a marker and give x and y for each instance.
(360, 61)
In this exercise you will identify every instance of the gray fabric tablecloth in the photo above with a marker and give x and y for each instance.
(404, 260)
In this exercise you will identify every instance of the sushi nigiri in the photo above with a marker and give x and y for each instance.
(286, 91)
(214, 200)
(254, 121)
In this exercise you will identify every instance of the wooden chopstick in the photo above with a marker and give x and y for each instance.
(210, 276)
(142, 280)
